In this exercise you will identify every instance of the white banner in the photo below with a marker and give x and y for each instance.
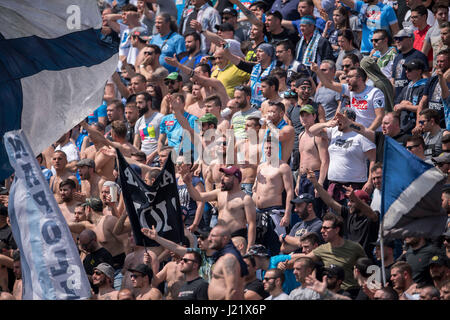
(51, 265)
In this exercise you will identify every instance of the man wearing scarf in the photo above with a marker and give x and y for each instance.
(312, 47)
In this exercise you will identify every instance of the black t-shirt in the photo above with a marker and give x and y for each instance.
(418, 260)
(360, 229)
(258, 287)
(196, 289)
(95, 258)
(379, 142)
(399, 73)
(284, 35)
(434, 93)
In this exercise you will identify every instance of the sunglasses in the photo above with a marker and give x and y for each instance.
(411, 147)
(346, 66)
(149, 53)
(167, 82)
(377, 40)
(422, 122)
(185, 260)
(269, 278)
(399, 39)
(305, 88)
(132, 276)
(327, 228)
(99, 273)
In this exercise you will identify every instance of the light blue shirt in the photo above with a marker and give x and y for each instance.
(173, 45)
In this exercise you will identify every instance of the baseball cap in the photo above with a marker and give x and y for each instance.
(86, 162)
(386, 243)
(174, 76)
(307, 108)
(304, 197)
(414, 64)
(232, 171)
(361, 194)
(439, 260)
(444, 157)
(140, 32)
(95, 203)
(224, 27)
(257, 250)
(334, 271)
(235, 47)
(106, 269)
(404, 33)
(142, 268)
(208, 118)
(303, 81)
(203, 233)
(229, 10)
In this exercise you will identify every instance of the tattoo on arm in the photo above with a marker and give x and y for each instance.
(354, 126)
(229, 265)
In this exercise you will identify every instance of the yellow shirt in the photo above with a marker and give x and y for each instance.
(231, 77)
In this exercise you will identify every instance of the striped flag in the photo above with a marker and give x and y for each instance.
(54, 64)
(411, 195)
(50, 262)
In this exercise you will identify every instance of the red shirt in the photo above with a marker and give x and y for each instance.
(419, 38)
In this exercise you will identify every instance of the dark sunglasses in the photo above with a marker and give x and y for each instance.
(135, 275)
(411, 147)
(399, 38)
(327, 228)
(377, 40)
(346, 66)
(149, 53)
(167, 82)
(99, 273)
(422, 122)
(186, 260)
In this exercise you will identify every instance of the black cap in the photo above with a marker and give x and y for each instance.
(229, 10)
(224, 27)
(142, 268)
(439, 260)
(304, 197)
(275, 13)
(334, 271)
(414, 64)
(203, 233)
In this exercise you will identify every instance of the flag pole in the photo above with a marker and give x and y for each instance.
(383, 271)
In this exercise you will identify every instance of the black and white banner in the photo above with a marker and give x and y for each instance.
(157, 205)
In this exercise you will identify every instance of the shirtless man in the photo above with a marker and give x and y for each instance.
(91, 182)
(313, 153)
(110, 208)
(173, 277)
(271, 180)
(269, 90)
(103, 279)
(141, 277)
(236, 208)
(248, 154)
(59, 162)
(103, 227)
(118, 134)
(66, 190)
(197, 108)
(213, 105)
(104, 165)
(227, 281)
(280, 130)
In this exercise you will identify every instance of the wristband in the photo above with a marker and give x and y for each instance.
(283, 237)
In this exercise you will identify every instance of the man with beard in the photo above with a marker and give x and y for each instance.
(242, 97)
(141, 277)
(229, 270)
(131, 115)
(90, 181)
(439, 267)
(273, 284)
(66, 190)
(418, 256)
(269, 89)
(272, 178)
(304, 207)
(361, 222)
(236, 208)
(174, 84)
(193, 55)
(68, 147)
(195, 288)
(197, 106)
(59, 162)
(103, 279)
(401, 277)
(150, 66)
(147, 126)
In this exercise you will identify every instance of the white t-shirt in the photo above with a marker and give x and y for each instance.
(365, 103)
(148, 130)
(281, 296)
(125, 44)
(347, 158)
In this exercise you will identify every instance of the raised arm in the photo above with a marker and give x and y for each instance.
(333, 85)
(170, 245)
(194, 193)
(364, 208)
(357, 127)
(250, 16)
(319, 128)
(324, 195)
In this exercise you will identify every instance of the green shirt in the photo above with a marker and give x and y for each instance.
(344, 256)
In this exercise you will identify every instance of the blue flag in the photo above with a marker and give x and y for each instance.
(49, 258)
(411, 194)
(54, 64)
